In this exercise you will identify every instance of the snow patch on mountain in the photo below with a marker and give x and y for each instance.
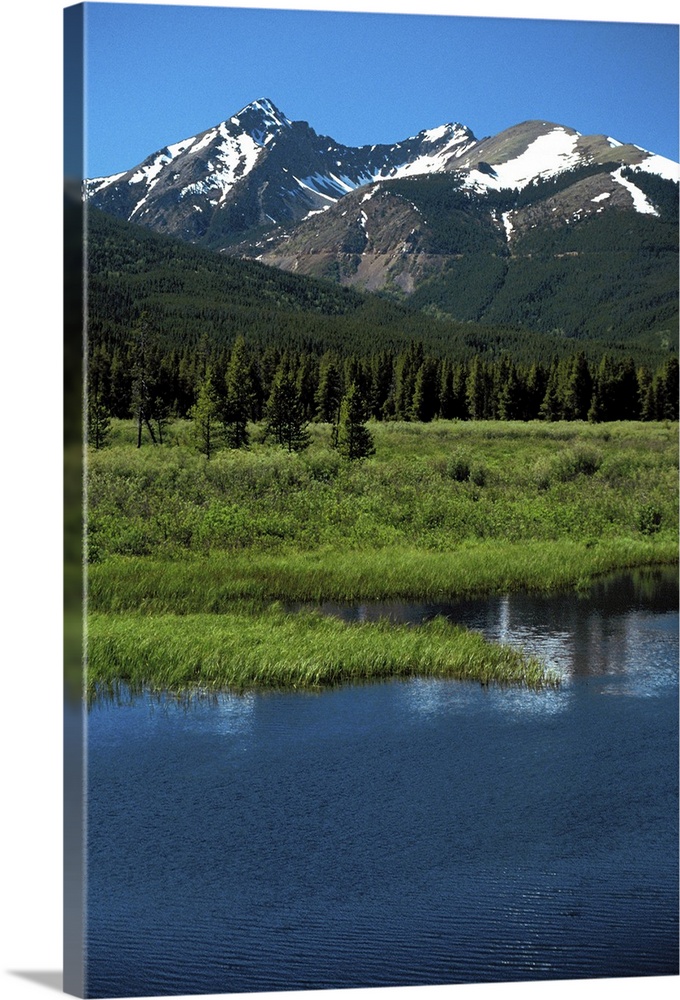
(665, 168)
(234, 157)
(311, 184)
(150, 173)
(180, 147)
(640, 202)
(507, 224)
(96, 184)
(546, 156)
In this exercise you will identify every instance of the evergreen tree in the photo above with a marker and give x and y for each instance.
(551, 408)
(285, 417)
(120, 398)
(381, 383)
(578, 389)
(329, 391)
(354, 440)
(477, 390)
(668, 390)
(407, 367)
(98, 415)
(447, 400)
(511, 395)
(425, 405)
(204, 414)
(536, 385)
(144, 376)
(645, 393)
(308, 382)
(460, 379)
(238, 402)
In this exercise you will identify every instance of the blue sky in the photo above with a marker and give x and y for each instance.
(157, 74)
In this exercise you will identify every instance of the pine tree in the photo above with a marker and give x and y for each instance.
(668, 380)
(307, 380)
(536, 384)
(407, 367)
(447, 400)
(98, 391)
(511, 395)
(285, 418)
(98, 415)
(477, 390)
(381, 383)
(551, 406)
(143, 379)
(329, 392)
(121, 385)
(239, 398)
(425, 403)
(204, 414)
(354, 440)
(578, 389)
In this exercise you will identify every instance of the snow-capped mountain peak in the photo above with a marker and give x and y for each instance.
(260, 119)
(258, 170)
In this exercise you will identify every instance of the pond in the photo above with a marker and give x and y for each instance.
(404, 833)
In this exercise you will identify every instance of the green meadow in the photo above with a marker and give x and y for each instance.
(190, 558)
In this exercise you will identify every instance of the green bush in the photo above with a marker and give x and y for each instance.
(458, 468)
(649, 519)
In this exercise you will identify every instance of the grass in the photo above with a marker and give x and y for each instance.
(526, 482)
(210, 584)
(442, 510)
(273, 649)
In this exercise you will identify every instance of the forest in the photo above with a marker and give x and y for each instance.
(177, 331)
(224, 390)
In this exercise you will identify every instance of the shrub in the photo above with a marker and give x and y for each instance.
(579, 461)
(649, 519)
(458, 468)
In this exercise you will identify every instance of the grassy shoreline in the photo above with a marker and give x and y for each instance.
(188, 553)
(273, 649)
(211, 584)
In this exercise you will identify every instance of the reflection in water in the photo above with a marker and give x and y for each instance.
(434, 696)
(606, 633)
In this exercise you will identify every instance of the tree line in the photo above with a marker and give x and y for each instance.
(224, 389)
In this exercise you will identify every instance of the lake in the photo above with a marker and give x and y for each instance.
(405, 833)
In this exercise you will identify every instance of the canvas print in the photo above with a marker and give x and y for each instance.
(372, 451)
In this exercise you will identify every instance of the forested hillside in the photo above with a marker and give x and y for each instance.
(566, 255)
(176, 331)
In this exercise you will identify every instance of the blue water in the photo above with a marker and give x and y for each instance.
(407, 833)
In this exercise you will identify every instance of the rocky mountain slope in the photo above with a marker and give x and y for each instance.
(259, 170)
(537, 226)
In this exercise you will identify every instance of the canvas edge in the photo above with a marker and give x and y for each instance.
(74, 375)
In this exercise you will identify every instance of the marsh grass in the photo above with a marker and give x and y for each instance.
(211, 584)
(273, 649)
(178, 543)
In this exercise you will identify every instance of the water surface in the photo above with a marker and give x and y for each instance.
(412, 832)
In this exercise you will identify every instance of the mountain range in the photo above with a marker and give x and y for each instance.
(538, 226)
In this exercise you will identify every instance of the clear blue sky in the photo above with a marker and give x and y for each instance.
(158, 74)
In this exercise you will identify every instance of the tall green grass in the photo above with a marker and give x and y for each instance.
(211, 584)
(177, 544)
(273, 649)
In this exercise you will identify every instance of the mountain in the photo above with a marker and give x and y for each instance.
(538, 227)
(259, 170)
